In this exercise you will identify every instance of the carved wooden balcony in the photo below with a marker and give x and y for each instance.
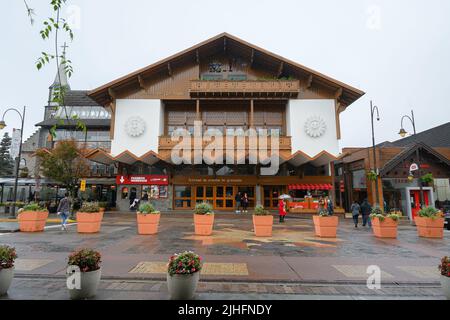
(251, 89)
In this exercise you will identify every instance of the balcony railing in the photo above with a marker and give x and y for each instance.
(250, 88)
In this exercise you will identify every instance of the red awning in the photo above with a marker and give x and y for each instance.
(310, 187)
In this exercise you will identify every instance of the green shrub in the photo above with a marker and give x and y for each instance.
(147, 208)
(33, 207)
(7, 257)
(203, 208)
(90, 207)
(322, 212)
(378, 213)
(427, 178)
(86, 259)
(184, 263)
(430, 212)
(261, 211)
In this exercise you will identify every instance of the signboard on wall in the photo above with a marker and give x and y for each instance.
(359, 179)
(142, 180)
(15, 144)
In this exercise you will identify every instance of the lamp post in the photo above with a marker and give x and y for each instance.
(19, 156)
(372, 112)
(403, 133)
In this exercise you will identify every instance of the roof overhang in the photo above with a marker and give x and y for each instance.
(300, 158)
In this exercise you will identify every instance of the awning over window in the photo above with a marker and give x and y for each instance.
(310, 187)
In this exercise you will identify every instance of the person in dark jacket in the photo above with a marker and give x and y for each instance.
(330, 207)
(64, 210)
(238, 198)
(366, 209)
(244, 202)
(355, 208)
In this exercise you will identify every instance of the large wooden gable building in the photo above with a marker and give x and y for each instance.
(229, 85)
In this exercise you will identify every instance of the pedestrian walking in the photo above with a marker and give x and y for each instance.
(355, 208)
(366, 209)
(244, 202)
(64, 210)
(282, 210)
(237, 198)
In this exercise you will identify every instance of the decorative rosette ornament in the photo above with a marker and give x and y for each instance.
(315, 127)
(135, 127)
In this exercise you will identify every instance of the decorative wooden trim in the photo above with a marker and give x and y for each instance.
(252, 113)
(280, 69)
(338, 94)
(169, 69)
(141, 82)
(252, 58)
(111, 93)
(338, 120)
(197, 57)
(113, 119)
(309, 81)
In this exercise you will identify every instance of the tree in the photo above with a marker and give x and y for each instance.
(6, 162)
(65, 164)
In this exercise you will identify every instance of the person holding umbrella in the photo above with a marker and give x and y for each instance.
(282, 207)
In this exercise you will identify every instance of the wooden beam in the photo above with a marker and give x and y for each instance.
(309, 81)
(252, 58)
(111, 93)
(280, 69)
(169, 69)
(338, 94)
(224, 44)
(141, 82)
(197, 56)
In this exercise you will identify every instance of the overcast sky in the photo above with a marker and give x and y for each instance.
(398, 51)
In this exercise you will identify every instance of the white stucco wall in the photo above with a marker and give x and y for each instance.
(150, 112)
(298, 112)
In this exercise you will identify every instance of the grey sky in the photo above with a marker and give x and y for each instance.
(396, 51)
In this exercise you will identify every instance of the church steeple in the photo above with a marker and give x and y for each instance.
(60, 78)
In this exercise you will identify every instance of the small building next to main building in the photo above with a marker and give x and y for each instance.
(229, 86)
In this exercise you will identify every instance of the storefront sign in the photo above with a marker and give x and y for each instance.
(83, 185)
(413, 167)
(143, 180)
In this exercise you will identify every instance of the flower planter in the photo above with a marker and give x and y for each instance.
(182, 287)
(89, 282)
(32, 221)
(6, 277)
(203, 224)
(384, 229)
(148, 223)
(430, 228)
(263, 225)
(326, 227)
(89, 222)
(445, 283)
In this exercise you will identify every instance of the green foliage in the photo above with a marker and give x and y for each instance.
(203, 208)
(47, 194)
(147, 208)
(7, 257)
(64, 164)
(372, 175)
(90, 207)
(34, 207)
(378, 213)
(430, 212)
(427, 178)
(322, 212)
(261, 211)
(184, 263)
(6, 162)
(86, 259)
(444, 267)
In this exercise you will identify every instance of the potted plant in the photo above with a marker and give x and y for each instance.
(203, 219)
(427, 179)
(147, 219)
(262, 222)
(430, 223)
(384, 225)
(444, 267)
(103, 206)
(372, 175)
(89, 218)
(32, 218)
(183, 273)
(325, 225)
(83, 273)
(7, 257)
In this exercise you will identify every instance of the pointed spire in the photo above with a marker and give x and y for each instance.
(60, 78)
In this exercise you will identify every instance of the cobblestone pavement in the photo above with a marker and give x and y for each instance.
(292, 256)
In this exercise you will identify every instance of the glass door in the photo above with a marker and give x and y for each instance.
(224, 197)
(271, 194)
(204, 194)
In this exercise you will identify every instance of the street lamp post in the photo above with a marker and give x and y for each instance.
(19, 156)
(403, 133)
(372, 112)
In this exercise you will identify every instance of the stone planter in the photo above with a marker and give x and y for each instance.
(263, 225)
(182, 287)
(384, 229)
(445, 283)
(32, 221)
(326, 227)
(89, 222)
(430, 228)
(148, 223)
(203, 224)
(6, 277)
(89, 282)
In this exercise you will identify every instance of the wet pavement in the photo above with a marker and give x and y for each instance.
(293, 255)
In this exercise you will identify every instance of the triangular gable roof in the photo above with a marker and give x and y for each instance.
(347, 93)
(391, 164)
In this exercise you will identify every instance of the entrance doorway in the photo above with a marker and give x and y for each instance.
(414, 196)
(271, 195)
